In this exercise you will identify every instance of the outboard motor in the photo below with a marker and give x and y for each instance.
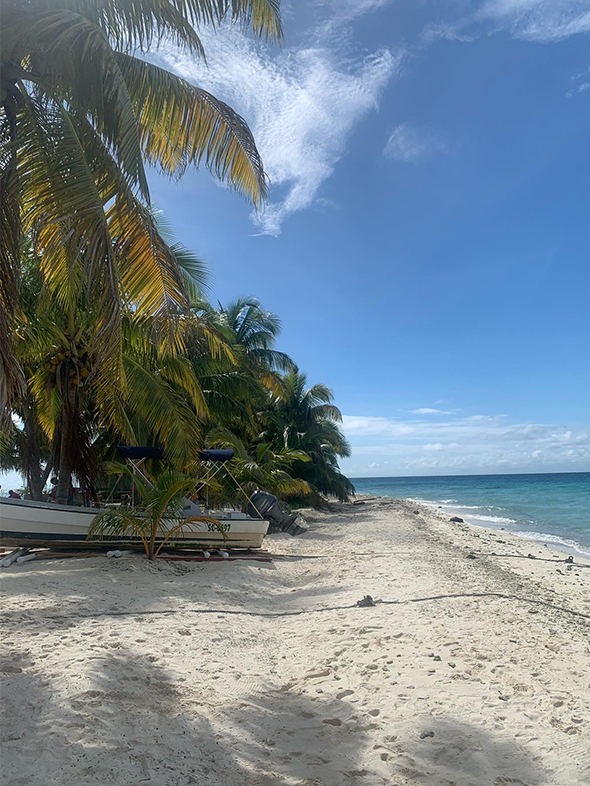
(264, 505)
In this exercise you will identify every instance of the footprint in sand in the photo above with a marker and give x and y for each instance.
(318, 674)
(343, 694)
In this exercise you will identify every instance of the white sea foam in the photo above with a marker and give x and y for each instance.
(483, 518)
(494, 519)
(459, 509)
(545, 537)
(465, 507)
(434, 503)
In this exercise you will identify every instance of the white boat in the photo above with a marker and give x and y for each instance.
(27, 523)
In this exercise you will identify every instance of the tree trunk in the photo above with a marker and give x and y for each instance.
(46, 473)
(64, 470)
(34, 474)
(36, 487)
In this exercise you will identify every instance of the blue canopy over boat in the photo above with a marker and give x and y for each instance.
(218, 454)
(147, 452)
(139, 452)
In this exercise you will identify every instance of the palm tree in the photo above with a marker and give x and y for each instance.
(256, 466)
(26, 450)
(25, 447)
(72, 402)
(80, 113)
(255, 331)
(159, 517)
(236, 382)
(307, 420)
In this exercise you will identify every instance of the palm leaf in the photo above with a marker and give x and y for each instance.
(182, 125)
(11, 375)
(128, 24)
(150, 277)
(73, 61)
(136, 24)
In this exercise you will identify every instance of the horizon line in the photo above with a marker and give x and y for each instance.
(469, 475)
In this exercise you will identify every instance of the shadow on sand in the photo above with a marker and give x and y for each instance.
(138, 722)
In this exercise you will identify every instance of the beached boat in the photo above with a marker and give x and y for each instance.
(27, 523)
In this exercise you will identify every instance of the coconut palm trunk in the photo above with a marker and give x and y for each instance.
(64, 470)
(36, 476)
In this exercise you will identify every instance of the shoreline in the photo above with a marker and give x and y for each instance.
(472, 667)
(544, 538)
(496, 523)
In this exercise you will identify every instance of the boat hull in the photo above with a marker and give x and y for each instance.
(25, 523)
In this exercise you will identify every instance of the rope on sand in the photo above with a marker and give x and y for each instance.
(321, 610)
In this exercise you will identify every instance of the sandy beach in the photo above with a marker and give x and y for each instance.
(472, 668)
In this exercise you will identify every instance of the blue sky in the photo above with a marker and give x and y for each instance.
(426, 241)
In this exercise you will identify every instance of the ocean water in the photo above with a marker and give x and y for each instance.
(549, 508)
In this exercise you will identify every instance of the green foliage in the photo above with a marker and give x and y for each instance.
(255, 466)
(305, 419)
(160, 516)
(226, 389)
(105, 333)
(81, 112)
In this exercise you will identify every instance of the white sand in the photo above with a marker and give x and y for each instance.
(491, 655)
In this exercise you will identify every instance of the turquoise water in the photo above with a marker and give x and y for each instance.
(551, 508)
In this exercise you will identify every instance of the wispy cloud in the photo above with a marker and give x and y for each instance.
(429, 411)
(477, 443)
(583, 83)
(541, 21)
(301, 102)
(407, 143)
(438, 446)
(578, 89)
(538, 20)
(342, 12)
(448, 31)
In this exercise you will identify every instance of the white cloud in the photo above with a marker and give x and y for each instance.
(429, 411)
(302, 104)
(344, 11)
(581, 88)
(449, 31)
(406, 143)
(541, 21)
(538, 20)
(463, 444)
(437, 446)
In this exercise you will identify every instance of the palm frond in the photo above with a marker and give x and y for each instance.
(129, 25)
(327, 412)
(182, 125)
(137, 24)
(168, 416)
(179, 371)
(265, 16)
(62, 206)
(11, 376)
(193, 270)
(72, 61)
